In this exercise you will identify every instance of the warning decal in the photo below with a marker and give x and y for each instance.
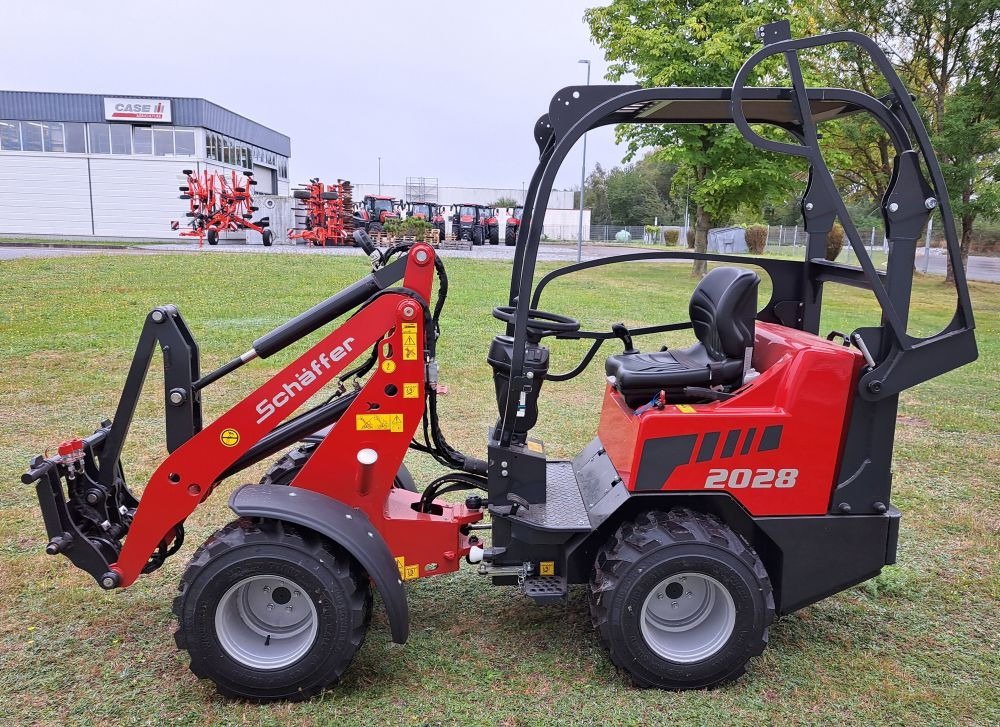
(401, 564)
(685, 409)
(547, 568)
(411, 391)
(410, 572)
(379, 422)
(229, 437)
(409, 341)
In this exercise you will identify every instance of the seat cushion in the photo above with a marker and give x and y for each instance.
(641, 376)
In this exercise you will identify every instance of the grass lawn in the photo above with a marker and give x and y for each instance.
(917, 645)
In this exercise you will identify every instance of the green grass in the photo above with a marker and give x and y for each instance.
(82, 242)
(917, 645)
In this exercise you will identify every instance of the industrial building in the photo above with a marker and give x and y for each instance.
(110, 166)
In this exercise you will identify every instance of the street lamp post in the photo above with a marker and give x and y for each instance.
(380, 175)
(583, 181)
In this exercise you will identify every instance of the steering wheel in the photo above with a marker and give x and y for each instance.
(541, 323)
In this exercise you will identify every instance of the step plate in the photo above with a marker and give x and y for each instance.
(545, 589)
(563, 508)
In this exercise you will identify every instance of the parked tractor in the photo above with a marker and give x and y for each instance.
(729, 482)
(430, 211)
(220, 203)
(475, 222)
(324, 213)
(373, 211)
(513, 225)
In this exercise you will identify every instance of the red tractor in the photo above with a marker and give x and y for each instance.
(373, 212)
(513, 225)
(430, 211)
(475, 222)
(325, 213)
(729, 482)
(220, 203)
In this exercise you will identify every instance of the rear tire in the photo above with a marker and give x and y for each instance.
(510, 236)
(374, 228)
(680, 601)
(271, 612)
(494, 235)
(477, 235)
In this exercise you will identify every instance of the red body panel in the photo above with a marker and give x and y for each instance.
(375, 419)
(801, 400)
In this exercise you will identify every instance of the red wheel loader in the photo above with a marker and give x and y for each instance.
(729, 482)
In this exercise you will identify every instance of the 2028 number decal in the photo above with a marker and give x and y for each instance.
(737, 479)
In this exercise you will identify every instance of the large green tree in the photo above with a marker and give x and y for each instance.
(696, 43)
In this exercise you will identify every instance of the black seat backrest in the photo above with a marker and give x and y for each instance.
(723, 308)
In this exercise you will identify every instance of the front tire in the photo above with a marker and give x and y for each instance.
(267, 237)
(477, 235)
(494, 235)
(680, 601)
(510, 236)
(270, 612)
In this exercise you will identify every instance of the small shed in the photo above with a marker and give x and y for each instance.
(727, 240)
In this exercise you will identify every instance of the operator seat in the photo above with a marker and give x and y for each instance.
(722, 310)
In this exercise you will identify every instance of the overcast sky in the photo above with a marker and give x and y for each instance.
(448, 89)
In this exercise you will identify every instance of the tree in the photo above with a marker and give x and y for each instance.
(596, 197)
(696, 43)
(948, 54)
(505, 202)
(632, 197)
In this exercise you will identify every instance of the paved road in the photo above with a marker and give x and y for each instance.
(985, 269)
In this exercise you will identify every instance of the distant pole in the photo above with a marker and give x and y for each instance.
(380, 175)
(583, 181)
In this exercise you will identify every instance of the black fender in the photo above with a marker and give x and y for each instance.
(349, 528)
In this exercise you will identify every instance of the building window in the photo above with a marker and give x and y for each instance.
(121, 138)
(163, 142)
(31, 135)
(142, 140)
(99, 139)
(184, 143)
(52, 137)
(75, 138)
(10, 136)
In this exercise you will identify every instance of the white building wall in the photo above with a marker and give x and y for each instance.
(137, 197)
(558, 199)
(44, 195)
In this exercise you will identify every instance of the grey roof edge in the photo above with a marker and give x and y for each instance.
(187, 111)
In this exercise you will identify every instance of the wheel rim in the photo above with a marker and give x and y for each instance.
(266, 622)
(687, 617)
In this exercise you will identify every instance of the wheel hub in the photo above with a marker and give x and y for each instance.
(687, 617)
(266, 622)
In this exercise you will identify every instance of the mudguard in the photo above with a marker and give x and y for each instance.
(345, 526)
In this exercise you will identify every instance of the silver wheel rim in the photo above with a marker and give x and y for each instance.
(266, 622)
(687, 617)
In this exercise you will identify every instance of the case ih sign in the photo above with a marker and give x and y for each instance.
(140, 109)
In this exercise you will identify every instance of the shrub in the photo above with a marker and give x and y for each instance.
(834, 241)
(411, 227)
(756, 238)
(671, 236)
(690, 238)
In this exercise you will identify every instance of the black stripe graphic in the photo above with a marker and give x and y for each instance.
(771, 439)
(730, 445)
(709, 442)
(748, 441)
(660, 457)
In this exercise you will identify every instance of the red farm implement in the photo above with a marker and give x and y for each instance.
(220, 203)
(325, 210)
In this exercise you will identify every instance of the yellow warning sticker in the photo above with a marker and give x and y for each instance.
(379, 422)
(229, 437)
(401, 564)
(535, 446)
(409, 341)
(410, 572)
(388, 366)
(547, 568)
(411, 391)
(685, 409)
